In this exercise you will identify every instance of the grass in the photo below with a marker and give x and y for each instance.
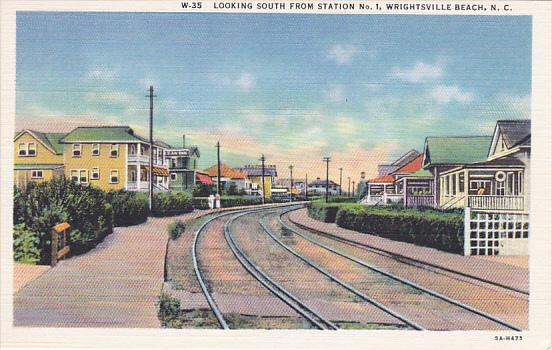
(368, 326)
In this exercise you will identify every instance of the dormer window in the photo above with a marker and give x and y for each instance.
(114, 152)
(96, 149)
(77, 150)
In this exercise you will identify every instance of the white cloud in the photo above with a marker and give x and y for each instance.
(450, 93)
(101, 73)
(336, 93)
(518, 105)
(419, 72)
(346, 126)
(342, 54)
(245, 82)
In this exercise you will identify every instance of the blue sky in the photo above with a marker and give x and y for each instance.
(362, 89)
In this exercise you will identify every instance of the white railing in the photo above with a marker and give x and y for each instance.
(372, 200)
(496, 202)
(448, 202)
(391, 198)
(133, 186)
(135, 158)
(425, 200)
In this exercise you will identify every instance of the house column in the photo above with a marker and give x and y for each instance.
(138, 168)
(405, 181)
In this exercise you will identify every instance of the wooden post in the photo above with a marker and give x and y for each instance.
(59, 252)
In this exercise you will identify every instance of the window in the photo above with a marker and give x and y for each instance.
(27, 149)
(173, 176)
(96, 149)
(114, 176)
(77, 149)
(132, 150)
(95, 173)
(83, 176)
(114, 151)
(22, 149)
(79, 176)
(36, 174)
(75, 176)
(32, 149)
(461, 183)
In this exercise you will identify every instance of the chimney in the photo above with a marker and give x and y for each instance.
(183, 141)
(317, 178)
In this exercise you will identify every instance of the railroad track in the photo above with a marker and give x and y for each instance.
(388, 274)
(276, 289)
(401, 258)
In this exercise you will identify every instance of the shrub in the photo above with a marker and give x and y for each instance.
(169, 311)
(428, 227)
(25, 244)
(171, 203)
(203, 190)
(42, 205)
(342, 199)
(323, 211)
(176, 229)
(129, 208)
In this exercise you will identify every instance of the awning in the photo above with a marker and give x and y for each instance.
(204, 179)
(157, 171)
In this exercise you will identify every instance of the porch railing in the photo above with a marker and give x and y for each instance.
(135, 158)
(392, 198)
(133, 186)
(496, 202)
(419, 200)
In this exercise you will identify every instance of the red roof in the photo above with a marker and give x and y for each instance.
(226, 171)
(412, 166)
(383, 179)
(204, 179)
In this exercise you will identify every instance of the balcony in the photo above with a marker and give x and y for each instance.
(137, 158)
(496, 202)
(133, 186)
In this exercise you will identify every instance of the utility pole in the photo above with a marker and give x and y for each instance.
(349, 186)
(291, 183)
(263, 175)
(353, 188)
(150, 188)
(340, 176)
(218, 167)
(327, 160)
(306, 188)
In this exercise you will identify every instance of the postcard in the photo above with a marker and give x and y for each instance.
(261, 174)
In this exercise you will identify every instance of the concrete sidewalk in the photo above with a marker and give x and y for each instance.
(116, 284)
(489, 269)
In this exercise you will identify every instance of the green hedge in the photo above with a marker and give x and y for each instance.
(40, 206)
(323, 211)
(26, 244)
(129, 208)
(342, 199)
(233, 201)
(428, 227)
(171, 203)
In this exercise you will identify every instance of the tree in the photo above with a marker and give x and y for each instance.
(203, 190)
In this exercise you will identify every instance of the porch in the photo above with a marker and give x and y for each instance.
(139, 178)
(483, 188)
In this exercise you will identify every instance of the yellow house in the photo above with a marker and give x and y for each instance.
(114, 157)
(38, 156)
(257, 183)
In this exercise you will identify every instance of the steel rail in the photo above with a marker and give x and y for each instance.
(342, 283)
(401, 258)
(405, 281)
(272, 285)
(199, 276)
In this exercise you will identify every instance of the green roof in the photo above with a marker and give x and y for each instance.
(420, 173)
(36, 166)
(456, 150)
(50, 139)
(101, 133)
